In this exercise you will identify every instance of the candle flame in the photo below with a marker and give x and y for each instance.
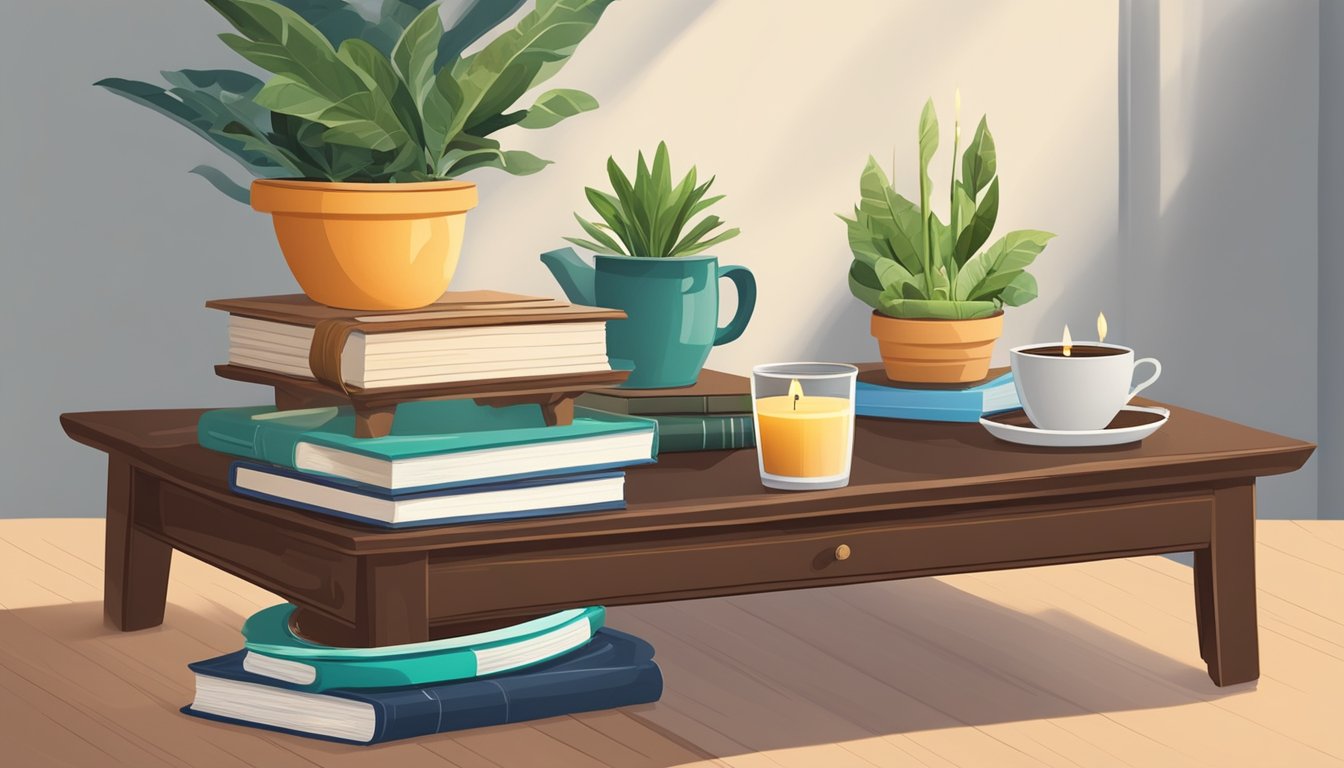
(1101, 326)
(1068, 342)
(795, 393)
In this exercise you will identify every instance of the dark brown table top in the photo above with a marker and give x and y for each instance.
(897, 464)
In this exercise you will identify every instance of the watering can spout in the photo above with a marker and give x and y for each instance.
(576, 277)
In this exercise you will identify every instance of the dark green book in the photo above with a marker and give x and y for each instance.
(714, 393)
(682, 433)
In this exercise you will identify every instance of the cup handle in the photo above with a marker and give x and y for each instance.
(746, 303)
(1157, 371)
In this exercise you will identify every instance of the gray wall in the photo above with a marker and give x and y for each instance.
(1221, 255)
(1331, 412)
(110, 249)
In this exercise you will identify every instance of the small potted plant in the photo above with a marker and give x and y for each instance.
(366, 122)
(650, 262)
(938, 299)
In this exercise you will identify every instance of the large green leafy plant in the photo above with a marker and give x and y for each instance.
(651, 218)
(909, 264)
(388, 97)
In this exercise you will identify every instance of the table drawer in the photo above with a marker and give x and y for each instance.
(700, 562)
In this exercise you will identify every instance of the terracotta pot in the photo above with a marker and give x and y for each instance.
(936, 351)
(369, 246)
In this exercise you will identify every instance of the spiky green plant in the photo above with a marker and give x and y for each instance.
(391, 97)
(647, 218)
(908, 264)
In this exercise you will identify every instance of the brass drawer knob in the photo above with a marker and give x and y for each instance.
(843, 552)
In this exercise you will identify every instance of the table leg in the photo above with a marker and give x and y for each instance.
(1225, 590)
(135, 565)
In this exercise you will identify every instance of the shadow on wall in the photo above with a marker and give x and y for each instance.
(1227, 295)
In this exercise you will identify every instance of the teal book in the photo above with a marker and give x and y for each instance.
(275, 651)
(434, 445)
(875, 396)
(685, 433)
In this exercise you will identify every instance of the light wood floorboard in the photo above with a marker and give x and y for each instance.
(1094, 664)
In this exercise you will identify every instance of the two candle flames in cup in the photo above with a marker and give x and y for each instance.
(1101, 334)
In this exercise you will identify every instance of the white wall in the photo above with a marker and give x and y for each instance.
(1220, 274)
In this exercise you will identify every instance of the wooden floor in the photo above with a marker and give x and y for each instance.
(1086, 665)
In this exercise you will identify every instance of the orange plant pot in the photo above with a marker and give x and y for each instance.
(369, 246)
(936, 351)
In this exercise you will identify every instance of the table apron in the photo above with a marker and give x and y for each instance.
(484, 583)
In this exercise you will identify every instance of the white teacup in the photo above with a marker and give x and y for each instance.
(1083, 391)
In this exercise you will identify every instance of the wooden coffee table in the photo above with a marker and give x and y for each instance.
(925, 499)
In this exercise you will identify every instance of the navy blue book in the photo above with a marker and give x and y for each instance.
(613, 670)
(530, 497)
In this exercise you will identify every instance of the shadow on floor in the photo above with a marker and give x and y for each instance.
(759, 672)
(791, 669)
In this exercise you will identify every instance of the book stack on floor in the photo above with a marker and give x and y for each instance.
(877, 396)
(559, 664)
(440, 460)
(713, 414)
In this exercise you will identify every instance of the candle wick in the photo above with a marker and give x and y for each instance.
(795, 401)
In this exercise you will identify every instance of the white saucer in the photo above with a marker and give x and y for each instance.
(1132, 424)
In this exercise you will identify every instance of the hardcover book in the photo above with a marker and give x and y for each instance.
(275, 651)
(613, 670)
(684, 433)
(533, 497)
(714, 392)
(464, 337)
(434, 445)
(876, 396)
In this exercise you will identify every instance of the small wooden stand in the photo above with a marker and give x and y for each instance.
(374, 408)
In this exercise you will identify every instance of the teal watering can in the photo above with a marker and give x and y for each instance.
(673, 309)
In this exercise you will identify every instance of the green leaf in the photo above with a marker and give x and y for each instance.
(928, 137)
(553, 106)
(611, 246)
(478, 18)
(1020, 291)
(220, 181)
(988, 273)
(497, 76)
(417, 51)
(978, 163)
(207, 102)
(885, 213)
(705, 245)
(864, 284)
(980, 225)
(964, 211)
(340, 20)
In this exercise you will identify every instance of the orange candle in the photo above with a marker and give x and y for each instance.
(802, 436)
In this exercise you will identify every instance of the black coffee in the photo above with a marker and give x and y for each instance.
(1077, 350)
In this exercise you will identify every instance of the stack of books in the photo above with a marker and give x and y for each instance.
(877, 396)
(442, 460)
(560, 664)
(446, 461)
(714, 414)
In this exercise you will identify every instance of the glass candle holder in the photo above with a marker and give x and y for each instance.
(804, 417)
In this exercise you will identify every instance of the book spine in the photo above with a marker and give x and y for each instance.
(679, 434)
(235, 432)
(503, 700)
